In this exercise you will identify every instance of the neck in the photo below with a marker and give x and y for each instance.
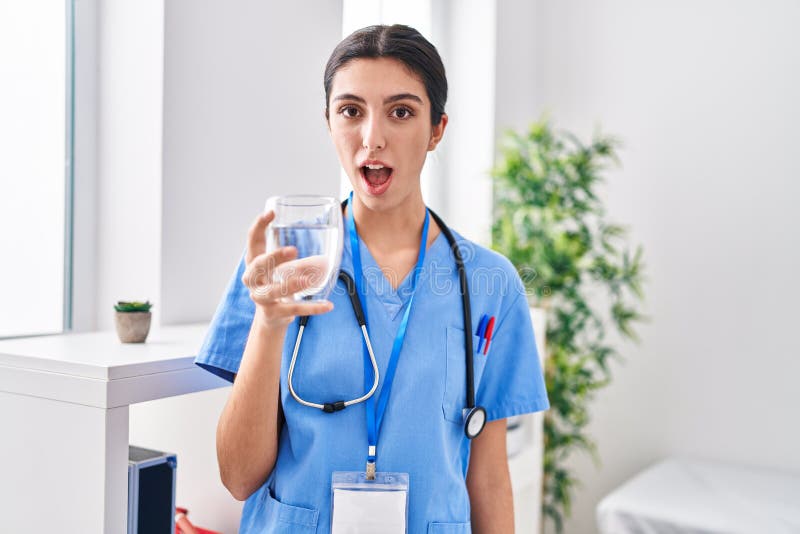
(393, 228)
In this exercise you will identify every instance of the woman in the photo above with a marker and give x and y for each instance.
(385, 93)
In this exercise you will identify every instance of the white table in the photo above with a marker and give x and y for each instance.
(64, 409)
(691, 496)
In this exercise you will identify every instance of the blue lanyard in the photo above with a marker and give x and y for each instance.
(375, 419)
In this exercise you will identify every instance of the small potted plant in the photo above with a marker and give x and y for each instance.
(133, 321)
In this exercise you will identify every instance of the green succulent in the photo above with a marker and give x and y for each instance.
(134, 306)
(550, 222)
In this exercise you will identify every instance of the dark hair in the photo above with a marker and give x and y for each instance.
(400, 42)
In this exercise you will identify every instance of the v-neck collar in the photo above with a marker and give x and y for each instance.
(393, 300)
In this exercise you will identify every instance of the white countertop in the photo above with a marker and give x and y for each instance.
(96, 369)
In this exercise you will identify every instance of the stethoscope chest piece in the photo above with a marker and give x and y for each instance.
(474, 421)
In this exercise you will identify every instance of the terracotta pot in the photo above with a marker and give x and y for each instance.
(133, 327)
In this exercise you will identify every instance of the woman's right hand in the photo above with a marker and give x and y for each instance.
(274, 304)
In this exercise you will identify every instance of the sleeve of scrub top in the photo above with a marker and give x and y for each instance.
(223, 347)
(512, 381)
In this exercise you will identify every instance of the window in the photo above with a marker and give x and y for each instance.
(35, 169)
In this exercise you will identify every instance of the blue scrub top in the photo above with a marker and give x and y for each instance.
(422, 433)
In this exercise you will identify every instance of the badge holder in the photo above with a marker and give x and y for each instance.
(359, 505)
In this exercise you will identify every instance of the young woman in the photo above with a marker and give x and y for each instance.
(385, 90)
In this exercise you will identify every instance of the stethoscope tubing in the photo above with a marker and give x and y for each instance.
(470, 409)
(335, 406)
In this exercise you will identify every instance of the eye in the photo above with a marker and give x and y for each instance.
(349, 111)
(402, 112)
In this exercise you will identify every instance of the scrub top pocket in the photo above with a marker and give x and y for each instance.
(280, 518)
(455, 389)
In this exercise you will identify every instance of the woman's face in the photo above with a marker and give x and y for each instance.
(380, 123)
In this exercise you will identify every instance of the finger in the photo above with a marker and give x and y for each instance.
(304, 308)
(258, 272)
(292, 308)
(283, 289)
(256, 235)
(314, 267)
(285, 311)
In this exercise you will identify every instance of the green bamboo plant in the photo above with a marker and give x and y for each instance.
(551, 224)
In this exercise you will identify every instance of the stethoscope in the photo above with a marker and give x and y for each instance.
(474, 416)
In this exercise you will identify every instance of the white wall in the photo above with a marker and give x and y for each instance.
(244, 119)
(130, 41)
(238, 119)
(464, 33)
(704, 96)
(515, 66)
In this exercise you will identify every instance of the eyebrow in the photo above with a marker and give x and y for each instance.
(389, 100)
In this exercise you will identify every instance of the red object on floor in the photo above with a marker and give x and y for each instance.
(188, 528)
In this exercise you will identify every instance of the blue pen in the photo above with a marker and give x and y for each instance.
(482, 330)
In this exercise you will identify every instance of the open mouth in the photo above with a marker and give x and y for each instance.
(376, 177)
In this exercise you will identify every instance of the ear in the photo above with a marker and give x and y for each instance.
(327, 119)
(437, 132)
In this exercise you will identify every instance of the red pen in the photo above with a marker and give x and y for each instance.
(488, 334)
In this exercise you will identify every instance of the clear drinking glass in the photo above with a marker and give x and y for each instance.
(313, 225)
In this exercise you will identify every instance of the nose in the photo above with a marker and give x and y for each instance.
(372, 134)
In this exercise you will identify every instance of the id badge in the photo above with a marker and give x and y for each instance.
(361, 506)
